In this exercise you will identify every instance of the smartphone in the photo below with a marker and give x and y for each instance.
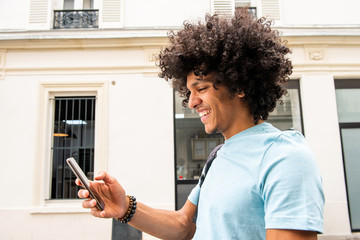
(84, 181)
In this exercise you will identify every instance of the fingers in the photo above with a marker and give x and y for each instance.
(90, 203)
(83, 193)
(96, 213)
(77, 182)
(100, 175)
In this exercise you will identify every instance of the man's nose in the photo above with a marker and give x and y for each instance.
(194, 101)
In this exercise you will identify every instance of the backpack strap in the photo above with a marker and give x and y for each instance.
(207, 166)
(208, 163)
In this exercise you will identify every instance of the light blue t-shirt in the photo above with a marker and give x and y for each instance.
(262, 178)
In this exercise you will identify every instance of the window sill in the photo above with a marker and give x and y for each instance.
(71, 206)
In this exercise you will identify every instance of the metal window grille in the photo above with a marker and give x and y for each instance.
(65, 19)
(74, 131)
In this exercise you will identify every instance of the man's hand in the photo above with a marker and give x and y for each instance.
(163, 224)
(110, 192)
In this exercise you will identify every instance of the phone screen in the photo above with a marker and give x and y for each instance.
(84, 181)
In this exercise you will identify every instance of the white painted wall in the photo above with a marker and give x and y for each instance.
(322, 133)
(320, 12)
(18, 105)
(141, 128)
(163, 13)
(13, 14)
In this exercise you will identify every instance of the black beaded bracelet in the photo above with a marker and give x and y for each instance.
(130, 212)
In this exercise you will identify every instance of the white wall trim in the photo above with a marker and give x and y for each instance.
(2, 63)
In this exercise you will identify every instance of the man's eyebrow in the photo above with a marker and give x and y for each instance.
(198, 81)
(194, 84)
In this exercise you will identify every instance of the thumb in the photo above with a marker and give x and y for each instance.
(102, 175)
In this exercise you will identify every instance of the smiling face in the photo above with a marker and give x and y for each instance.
(219, 110)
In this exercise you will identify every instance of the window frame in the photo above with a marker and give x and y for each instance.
(295, 84)
(347, 84)
(42, 202)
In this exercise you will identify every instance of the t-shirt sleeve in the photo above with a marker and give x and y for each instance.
(290, 185)
(194, 195)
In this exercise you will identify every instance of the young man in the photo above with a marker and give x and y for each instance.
(264, 183)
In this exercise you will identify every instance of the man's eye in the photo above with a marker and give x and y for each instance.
(201, 89)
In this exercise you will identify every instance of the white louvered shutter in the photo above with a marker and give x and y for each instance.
(39, 14)
(271, 9)
(111, 14)
(223, 7)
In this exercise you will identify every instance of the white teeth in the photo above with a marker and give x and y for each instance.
(203, 113)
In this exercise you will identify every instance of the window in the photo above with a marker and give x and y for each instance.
(193, 145)
(227, 7)
(74, 131)
(69, 4)
(287, 116)
(267, 8)
(88, 4)
(76, 14)
(72, 122)
(246, 3)
(78, 4)
(348, 107)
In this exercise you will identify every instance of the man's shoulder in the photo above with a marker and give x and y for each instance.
(292, 146)
(288, 137)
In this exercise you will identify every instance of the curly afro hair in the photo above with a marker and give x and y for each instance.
(242, 53)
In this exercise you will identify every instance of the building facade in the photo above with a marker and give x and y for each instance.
(78, 78)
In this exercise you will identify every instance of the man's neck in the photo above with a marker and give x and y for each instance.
(240, 127)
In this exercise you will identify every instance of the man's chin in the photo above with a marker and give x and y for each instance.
(210, 130)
